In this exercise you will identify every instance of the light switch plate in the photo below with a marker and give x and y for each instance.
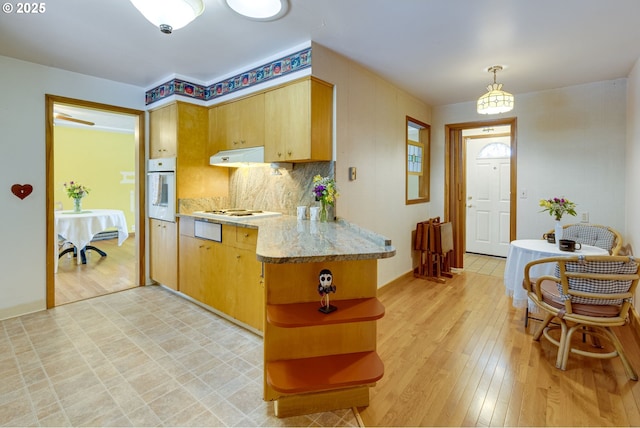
(352, 173)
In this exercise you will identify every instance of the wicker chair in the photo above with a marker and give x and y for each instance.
(588, 234)
(589, 294)
(595, 235)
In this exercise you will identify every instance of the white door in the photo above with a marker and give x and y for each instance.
(488, 196)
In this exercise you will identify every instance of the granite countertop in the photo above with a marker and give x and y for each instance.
(285, 239)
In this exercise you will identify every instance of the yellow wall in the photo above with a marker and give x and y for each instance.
(97, 160)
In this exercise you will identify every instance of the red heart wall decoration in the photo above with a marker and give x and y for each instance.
(22, 190)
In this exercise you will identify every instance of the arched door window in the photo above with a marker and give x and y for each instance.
(494, 151)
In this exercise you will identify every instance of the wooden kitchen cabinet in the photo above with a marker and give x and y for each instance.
(163, 239)
(225, 276)
(163, 131)
(245, 274)
(201, 272)
(190, 267)
(299, 121)
(237, 124)
(181, 129)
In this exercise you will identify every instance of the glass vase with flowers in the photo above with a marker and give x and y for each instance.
(557, 207)
(76, 192)
(326, 192)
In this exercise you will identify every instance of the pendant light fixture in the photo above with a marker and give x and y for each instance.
(259, 10)
(496, 100)
(169, 15)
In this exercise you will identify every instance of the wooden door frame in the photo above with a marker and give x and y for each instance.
(139, 136)
(455, 181)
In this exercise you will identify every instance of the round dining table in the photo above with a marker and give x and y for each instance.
(523, 251)
(80, 228)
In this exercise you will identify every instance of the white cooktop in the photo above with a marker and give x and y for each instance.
(236, 214)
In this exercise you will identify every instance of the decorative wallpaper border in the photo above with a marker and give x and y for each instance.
(281, 67)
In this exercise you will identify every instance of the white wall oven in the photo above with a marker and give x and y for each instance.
(161, 189)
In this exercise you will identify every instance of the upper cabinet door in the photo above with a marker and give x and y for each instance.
(163, 132)
(238, 124)
(298, 122)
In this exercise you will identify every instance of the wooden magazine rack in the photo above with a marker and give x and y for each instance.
(434, 240)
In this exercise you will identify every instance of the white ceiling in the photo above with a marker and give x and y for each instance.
(102, 120)
(438, 50)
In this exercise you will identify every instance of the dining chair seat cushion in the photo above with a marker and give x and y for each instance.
(590, 235)
(551, 296)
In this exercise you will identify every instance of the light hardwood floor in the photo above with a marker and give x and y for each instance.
(100, 276)
(458, 354)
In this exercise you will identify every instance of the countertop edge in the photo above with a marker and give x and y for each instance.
(388, 253)
(284, 239)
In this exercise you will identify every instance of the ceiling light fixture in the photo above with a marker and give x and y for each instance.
(169, 15)
(259, 10)
(496, 100)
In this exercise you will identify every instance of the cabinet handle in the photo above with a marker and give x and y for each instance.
(238, 256)
(246, 235)
(201, 246)
(235, 143)
(242, 141)
(289, 152)
(279, 154)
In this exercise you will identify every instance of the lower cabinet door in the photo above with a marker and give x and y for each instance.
(163, 237)
(249, 289)
(190, 267)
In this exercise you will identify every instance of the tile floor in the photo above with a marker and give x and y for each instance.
(141, 357)
(487, 265)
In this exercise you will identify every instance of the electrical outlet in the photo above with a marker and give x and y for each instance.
(584, 218)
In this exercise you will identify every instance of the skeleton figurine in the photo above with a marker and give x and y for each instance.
(325, 287)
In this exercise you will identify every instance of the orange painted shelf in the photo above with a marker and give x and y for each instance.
(324, 373)
(307, 314)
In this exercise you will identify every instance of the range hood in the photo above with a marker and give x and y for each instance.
(239, 157)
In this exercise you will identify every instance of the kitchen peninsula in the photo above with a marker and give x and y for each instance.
(312, 361)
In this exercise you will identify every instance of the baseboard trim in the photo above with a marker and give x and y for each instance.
(398, 280)
(23, 309)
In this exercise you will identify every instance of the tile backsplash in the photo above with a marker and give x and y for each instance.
(257, 188)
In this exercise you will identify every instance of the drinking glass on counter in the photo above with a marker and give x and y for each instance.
(302, 213)
(314, 213)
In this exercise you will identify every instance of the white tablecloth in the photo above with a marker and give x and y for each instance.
(523, 251)
(80, 228)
